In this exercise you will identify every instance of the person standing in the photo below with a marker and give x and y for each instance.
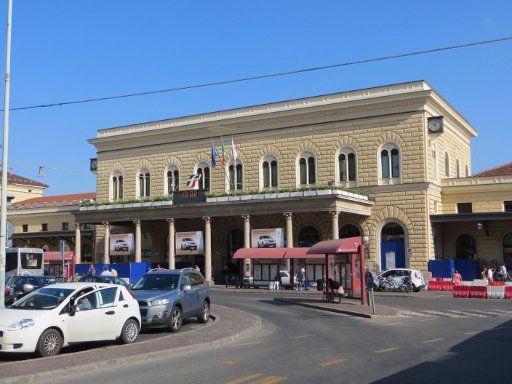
(113, 271)
(106, 272)
(92, 270)
(277, 281)
(368, 279)
(457, 279)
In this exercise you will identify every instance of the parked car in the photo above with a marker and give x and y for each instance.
(266, 241)
(403, 279)
(58, 315)
(167, 297)
(104, 279)
(121, 245)
(286, 281)
(19, 286)
(188, 244)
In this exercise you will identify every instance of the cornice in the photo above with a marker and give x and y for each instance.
(474, 184)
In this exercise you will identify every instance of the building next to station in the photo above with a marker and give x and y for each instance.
(390, 163)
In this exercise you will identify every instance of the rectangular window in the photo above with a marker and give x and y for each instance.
(508, 206)
(44, 227)
(65, 226)
(464, 208)
(24, 227)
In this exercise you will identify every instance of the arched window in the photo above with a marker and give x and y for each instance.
(306, 169)
(390, 169)
(235, 176)
(144, 183)
(434, 163)
(117, 186)
(173, 179)
(349, 230)
(347, 169)
(447, 164)
(308, 236)
(465, 247)
(457, 163)
(204, 171)
(269, 173)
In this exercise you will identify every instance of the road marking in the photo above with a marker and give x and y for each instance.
(387, 350)
(412, 314)
(432, 340)
(300, 337)
(245, 344)
(270, 380)
(466, 313)
(443, 314)
(429, 319)
(245, 379)
(470, 333)
(333, 362)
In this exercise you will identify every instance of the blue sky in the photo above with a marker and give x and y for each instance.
(80, 49)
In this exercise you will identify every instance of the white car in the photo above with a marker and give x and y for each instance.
(400, 279)
(266, 241)
(58, 315)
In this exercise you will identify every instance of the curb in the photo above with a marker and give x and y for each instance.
(48, 375)
(322, 308)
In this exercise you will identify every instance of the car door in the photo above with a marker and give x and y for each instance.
(87, 322)
(188, 296)
(113, 313)
(198, 287)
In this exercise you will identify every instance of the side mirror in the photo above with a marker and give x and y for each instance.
(27, 288)
(187, 288)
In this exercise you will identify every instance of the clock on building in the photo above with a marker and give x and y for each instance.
(435, 124)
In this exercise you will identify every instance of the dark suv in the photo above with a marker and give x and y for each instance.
(19, 286)
(167, 297)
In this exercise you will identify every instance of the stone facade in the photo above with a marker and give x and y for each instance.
(365, 121)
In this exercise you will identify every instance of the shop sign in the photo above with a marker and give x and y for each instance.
(122, 244)
(267, 238)
(190, 243)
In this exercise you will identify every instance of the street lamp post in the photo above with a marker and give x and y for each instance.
(3, 212)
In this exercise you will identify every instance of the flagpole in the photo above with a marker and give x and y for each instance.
(3, 212)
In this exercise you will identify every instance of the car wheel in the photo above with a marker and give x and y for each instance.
(175, 319)
(130, 332)
(204, 315)
(50, 343)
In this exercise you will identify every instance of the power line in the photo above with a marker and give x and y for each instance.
(266, 76)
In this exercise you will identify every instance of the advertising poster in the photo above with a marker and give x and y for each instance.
(122, 244)
(390, 260)
(189, 243)
(267, 238)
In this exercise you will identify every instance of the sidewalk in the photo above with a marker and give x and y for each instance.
(264, 290)
(229, 325)
(349, 307)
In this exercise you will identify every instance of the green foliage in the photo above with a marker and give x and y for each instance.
(358, 191)
(88, 203)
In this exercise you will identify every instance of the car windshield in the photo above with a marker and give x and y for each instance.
(162, 282)
(44, 298)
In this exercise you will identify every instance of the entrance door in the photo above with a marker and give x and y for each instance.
(392, 249)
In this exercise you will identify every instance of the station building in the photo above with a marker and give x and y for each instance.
(391, 164)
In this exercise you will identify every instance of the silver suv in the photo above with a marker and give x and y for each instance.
(167, 297)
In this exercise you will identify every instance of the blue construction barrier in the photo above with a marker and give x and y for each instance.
(130, 271)
(441, 268)
(467, 268)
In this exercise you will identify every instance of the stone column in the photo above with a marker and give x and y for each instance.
(106, 246)
(172, 248)
(335, 225)
(78, 245)
(138, 245)
(289, 235)
(247, 243)
(208, 249)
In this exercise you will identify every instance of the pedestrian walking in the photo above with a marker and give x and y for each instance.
(106, 272)
(91, 271)
(457, 279)
(483, 273)
(490, 273)
(277, 281)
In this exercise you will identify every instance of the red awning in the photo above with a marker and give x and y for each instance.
(349, 245)
(259, 253)
(300, 253)
(55, 256)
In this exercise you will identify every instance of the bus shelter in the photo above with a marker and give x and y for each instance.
(344, 262)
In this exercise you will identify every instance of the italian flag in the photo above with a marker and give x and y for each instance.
(193, 181)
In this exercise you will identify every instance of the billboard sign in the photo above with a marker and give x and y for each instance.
(122, 244)
(189, 243)
(267, 238)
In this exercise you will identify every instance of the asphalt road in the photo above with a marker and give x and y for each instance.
(463, 341)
